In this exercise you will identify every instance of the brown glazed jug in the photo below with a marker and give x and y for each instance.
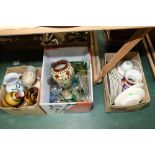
(31, 95)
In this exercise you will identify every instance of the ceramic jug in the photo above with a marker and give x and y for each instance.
(13, 83)
(12, 99)
(31, 95)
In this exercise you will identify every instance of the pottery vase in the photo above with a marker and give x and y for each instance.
(62, 72)
(29, 77)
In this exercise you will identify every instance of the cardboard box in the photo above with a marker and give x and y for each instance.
(113, 108)
(23, 110)
(71, 54)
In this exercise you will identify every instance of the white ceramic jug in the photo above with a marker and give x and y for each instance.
(12, 82)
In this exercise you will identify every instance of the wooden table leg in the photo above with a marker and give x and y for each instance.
(124, 50)
(94, 49)
(152, 50)
(149, 50)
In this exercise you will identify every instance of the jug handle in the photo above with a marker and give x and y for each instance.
(19, 75)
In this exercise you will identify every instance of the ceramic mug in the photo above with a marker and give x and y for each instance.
(13, 83)
(133, 76)
(127, 65)
(123, 67)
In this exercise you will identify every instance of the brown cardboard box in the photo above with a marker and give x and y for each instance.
(24, 110)
(113, 108)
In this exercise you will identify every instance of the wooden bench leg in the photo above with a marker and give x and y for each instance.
(124, 50)
(150, 52)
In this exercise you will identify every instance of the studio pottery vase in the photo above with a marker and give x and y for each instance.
(62, 72)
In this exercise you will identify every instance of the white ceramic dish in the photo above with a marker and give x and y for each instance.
(130, 100)
(138, 85)
(125, 97)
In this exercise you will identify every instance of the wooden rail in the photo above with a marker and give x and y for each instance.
(49, 29)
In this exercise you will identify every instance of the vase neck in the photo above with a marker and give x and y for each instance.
(60, 65)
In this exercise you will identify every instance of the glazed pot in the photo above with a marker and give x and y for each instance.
(12, 99)
(62, 72)
(31, 96)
